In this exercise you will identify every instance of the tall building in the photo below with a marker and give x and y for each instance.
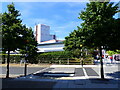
(42, 33)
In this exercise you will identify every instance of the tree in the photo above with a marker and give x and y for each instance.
(11, 27)
(30, 45)
(98, 28)
(14, 33)
(74, 44)
(73, 41)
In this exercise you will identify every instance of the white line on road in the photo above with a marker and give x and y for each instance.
(86, 76)
(41, 70)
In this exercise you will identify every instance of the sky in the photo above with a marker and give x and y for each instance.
(62, 17)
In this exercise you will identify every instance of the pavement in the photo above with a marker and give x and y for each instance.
(68, 77)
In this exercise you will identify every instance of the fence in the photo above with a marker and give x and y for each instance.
(50, 60)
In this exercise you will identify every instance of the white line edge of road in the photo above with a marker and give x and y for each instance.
(41, 70)
(77, 66)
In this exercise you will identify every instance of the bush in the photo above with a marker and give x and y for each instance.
(62, 57)
(53, 57)
(13, 58)
(113, 52)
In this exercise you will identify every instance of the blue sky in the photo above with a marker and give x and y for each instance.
(62, 17)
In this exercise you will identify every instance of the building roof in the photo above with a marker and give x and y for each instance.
(51, 42)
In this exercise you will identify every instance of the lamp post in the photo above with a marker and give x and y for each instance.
(101, 62)
(25, 70)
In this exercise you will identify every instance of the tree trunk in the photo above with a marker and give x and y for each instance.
(8, 61)
(3, 58)
(3, 62)
(101, 62)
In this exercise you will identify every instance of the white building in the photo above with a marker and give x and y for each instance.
(42, 33)
(47, 42)
(50, 47)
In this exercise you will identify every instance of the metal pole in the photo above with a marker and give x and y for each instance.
(25, 71)
(82, 62)
(81, 58)
(101, 62)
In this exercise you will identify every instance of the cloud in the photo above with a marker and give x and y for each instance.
(40, 21)
(60, 31)
(57, 17)
(25, 8)
(77, 4)
(33, 21)
(64, 30)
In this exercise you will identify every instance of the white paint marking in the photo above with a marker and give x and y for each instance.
(86, 76)
(41, 70)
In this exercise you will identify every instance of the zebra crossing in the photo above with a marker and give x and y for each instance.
(67, 72)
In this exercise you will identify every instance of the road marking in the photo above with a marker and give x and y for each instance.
(41, 70)
(86, 76)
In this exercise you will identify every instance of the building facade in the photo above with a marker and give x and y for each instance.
(50, 47)
(46, 41)
(42, 33)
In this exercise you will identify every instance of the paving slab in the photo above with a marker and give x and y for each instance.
(27, 84)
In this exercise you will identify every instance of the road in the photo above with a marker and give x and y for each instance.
(83, 77)
(20, 70)
(91, 71)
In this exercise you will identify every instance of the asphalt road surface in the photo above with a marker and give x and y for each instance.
(20, 70)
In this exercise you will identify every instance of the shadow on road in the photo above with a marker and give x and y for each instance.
(13, 83)
(114, 75)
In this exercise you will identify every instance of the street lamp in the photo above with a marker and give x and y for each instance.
(25, 70)
(26, 42)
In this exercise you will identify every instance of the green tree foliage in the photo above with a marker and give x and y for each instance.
(15, 35)
(73, 41)
(113, 52)
(11, 27)
(99, 27)
(114, 38)
(30, 45)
